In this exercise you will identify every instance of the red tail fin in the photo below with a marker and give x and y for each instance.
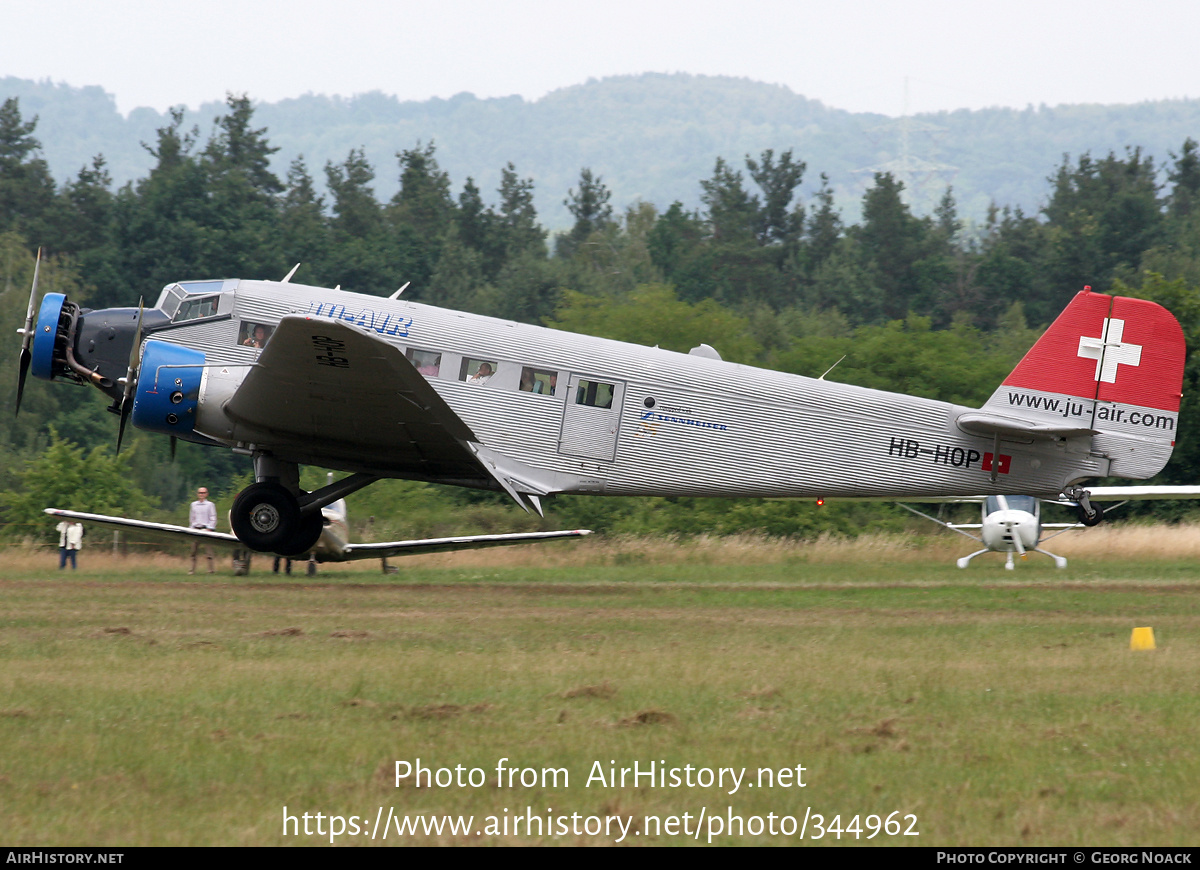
(1110, 349)
(1110, 365)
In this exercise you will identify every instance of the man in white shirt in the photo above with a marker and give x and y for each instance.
(202, 515)
(70, 542)
(482, 374)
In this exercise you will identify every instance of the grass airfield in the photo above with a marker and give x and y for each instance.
(141, 706)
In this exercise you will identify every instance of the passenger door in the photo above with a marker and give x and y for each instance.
(591, 418)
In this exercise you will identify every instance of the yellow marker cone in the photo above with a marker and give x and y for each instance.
(1142, 638)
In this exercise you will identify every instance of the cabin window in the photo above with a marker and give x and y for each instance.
(539, 381)
(595, 394)
(427, 362)
(476, 371)
(254, 334)
(194, 309)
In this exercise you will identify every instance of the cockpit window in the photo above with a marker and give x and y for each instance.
(194, 309)
(195, 287)
(170, 300)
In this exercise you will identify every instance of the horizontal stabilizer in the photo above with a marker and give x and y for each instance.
(983, 423)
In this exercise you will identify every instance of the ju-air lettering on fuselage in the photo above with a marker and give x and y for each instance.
(376, 321)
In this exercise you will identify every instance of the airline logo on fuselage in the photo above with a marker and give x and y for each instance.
(366, 318)
(652, 417)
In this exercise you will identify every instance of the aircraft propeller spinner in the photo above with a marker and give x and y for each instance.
(27, 335)
(131, 375)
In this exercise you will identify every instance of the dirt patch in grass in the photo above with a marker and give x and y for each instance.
(445, 711)
(603, 690)
(648, 717)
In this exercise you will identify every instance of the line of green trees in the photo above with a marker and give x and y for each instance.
(914, 304)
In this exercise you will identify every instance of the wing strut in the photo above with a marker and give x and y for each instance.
(950, 526)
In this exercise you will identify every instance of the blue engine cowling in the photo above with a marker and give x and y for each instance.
(168, 389)
(45, 334)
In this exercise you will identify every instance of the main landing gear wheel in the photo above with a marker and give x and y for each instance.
(306, 536)
(1090, 518)
(266, 517)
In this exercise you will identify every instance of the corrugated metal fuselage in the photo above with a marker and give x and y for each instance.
(629, 420)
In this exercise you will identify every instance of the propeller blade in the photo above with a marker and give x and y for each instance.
(26, 356)
(1016, 539)
(131, 374)
(121, 428)
(174, 442)
(27, 335)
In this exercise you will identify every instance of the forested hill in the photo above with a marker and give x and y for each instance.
(650, 137)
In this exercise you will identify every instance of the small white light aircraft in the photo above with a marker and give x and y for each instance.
(289, 374)
(1013, 523)
(332, 546)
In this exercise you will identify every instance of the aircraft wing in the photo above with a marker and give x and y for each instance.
(158, 531)
(441, 545)
(168, 532)
(1141, 493)
(1096, 493)
(333, 384)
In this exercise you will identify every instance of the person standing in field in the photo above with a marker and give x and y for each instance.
(202, 515)
(70, 542)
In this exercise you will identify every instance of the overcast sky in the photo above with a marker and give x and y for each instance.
(848, 54)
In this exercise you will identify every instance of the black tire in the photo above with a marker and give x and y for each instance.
(1091, 519)
(308, 532)
(265, 516)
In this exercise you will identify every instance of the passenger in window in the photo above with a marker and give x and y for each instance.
(482, 375)
(428, 364)
(257, 337)
(537, 381)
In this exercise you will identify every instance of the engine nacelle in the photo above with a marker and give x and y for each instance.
(170, 379)
(46, 335)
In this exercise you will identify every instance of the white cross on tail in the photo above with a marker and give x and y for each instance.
(1109, 351)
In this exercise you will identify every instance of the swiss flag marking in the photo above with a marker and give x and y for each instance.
(1109, 351)
(1002, 465)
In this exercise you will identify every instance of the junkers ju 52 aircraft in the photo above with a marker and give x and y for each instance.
(1012, 524)
(290, 374)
